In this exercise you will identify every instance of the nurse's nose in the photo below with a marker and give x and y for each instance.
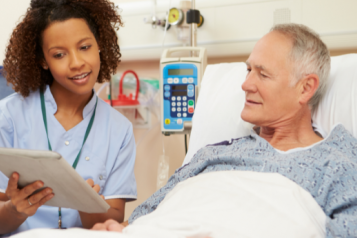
(76, 61)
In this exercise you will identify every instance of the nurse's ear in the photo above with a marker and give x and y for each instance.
(44, 65)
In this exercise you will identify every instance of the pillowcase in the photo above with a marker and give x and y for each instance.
(339, 104)
(220, 102)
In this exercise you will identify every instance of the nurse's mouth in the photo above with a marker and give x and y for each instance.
(81, 78)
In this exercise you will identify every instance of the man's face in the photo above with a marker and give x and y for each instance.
(270, 98)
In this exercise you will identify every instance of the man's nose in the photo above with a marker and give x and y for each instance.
(76, 61)
(249, 85)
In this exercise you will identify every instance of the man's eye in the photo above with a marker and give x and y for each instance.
(248, 70)
(263, 75)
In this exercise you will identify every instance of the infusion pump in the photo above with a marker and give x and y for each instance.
(180, 83)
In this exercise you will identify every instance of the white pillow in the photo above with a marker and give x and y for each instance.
(339, 104)
(221, 100)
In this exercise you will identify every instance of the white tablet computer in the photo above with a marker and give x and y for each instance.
(70, 189)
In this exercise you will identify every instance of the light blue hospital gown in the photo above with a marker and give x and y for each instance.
(328, 170)
(107, 157)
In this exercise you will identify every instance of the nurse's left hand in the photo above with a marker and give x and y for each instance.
(108, 225)
(96, 187)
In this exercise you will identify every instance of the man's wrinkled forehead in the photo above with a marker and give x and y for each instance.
(261, 67)
(271, 51)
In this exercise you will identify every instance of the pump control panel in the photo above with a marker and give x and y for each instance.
(180, 84)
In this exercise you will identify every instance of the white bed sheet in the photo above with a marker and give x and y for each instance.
(222, 204)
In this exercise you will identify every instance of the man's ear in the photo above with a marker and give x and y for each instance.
(309, 85)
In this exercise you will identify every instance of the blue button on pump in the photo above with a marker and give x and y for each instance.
(190, 87)
(167, 94)
(167, 87)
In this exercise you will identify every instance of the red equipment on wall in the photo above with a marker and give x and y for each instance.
(124, 100)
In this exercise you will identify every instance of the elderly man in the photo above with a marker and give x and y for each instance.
(287, 74)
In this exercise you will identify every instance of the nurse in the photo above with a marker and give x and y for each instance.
(55, 56)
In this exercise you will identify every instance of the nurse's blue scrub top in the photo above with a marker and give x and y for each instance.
(108, 156)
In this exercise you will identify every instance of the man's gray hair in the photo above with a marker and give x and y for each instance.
(310, 56)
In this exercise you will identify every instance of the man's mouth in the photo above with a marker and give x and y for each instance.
(252, 102)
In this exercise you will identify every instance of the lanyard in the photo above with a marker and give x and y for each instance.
(43, 107)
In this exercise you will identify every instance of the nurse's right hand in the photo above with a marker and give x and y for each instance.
(23, 201)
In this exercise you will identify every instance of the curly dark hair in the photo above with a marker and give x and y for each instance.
(24, 56)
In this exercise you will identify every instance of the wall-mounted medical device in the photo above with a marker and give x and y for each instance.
(176, 16)
(181, 18)
(180, 84)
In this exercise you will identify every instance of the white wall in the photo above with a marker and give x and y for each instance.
(232, 27)
(10, 14)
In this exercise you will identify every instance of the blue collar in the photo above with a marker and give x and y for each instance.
(51, 104)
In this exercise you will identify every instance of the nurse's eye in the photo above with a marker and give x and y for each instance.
(58, 56)
(86, 47)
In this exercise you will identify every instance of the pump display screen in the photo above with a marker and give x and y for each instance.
(179, 93)
(180, 72)
(179, 87)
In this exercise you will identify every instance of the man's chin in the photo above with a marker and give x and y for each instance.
(249, 117)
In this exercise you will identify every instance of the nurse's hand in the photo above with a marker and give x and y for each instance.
(95, 187)
(108, 225)
(23, 201)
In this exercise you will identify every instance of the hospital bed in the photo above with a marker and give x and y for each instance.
(217, 118)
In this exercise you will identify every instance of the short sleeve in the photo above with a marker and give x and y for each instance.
(6, 138)
(121, 181)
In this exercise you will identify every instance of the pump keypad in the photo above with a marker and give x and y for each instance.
(183, 104)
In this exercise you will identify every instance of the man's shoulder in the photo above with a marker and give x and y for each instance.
(339, 130)
(342, 143)
(243, 139)
(228, 147)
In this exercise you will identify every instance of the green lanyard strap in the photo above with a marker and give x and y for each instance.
(43, 107)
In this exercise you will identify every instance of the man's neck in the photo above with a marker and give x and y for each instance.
(291, 134)
(69, 103)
